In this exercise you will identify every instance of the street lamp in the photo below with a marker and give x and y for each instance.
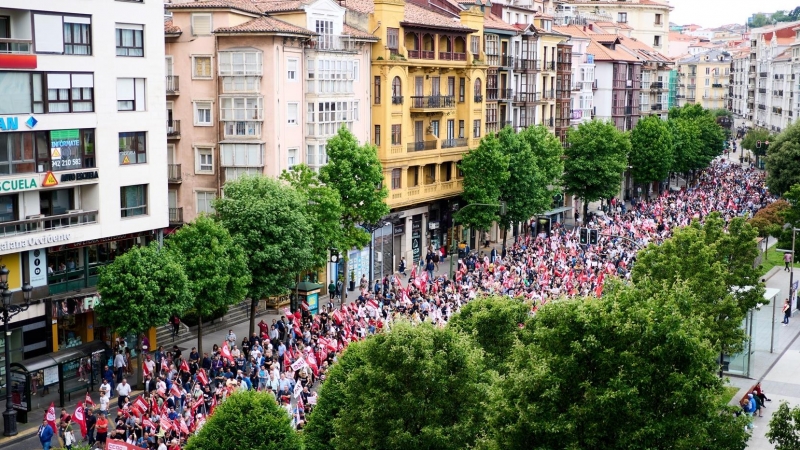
(9, 311)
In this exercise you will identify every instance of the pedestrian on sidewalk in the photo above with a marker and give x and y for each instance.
(787, 311)
(123, 391)
(787, 259)
(176, 324)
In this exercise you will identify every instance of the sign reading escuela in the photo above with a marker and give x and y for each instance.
(18, 184)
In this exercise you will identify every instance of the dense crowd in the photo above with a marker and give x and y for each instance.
(289, 356)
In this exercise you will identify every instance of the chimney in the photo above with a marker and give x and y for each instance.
(591, 27)
(584, 28)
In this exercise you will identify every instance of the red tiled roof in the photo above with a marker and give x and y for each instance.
(361, 6)
(573, 30)
(171, 28)
(603, 53)
(420, 16)
(350, 30)
(495, 23)
(279, 5)
(241, 5)
(265, 25)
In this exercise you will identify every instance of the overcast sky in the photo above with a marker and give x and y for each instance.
(713, 13)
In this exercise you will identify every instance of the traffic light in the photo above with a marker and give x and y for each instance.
(584, 236)
(593, 237)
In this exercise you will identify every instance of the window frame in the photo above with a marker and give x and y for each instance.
(199, 153)
(377, 136)
(208, 201)
(289, 119)
(293, 75)
(135, 100)
(196, 109)
(397, 134)
(476, 128)
(118, 29)
(210, 23)
(195, 76)
(125, 211)
(139, 137)
(377, 89)
(397, 179)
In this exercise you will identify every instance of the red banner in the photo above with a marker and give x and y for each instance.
(119, 445)
(78, 416)
(226, 351)
(51, 417)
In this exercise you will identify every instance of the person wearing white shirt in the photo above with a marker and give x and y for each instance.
(161, 445)
(104, 399)
(123, 390)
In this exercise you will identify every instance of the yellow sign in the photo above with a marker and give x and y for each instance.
(125, 160)
(49, 180)
(13, 263)
(55, 153)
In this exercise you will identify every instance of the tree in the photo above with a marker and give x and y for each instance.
(355, 173)
(413, 387)
(596, 157)
(758, 20)
(783, 160)
(686, 145)
(651, 155)
(784, 428)
(791, 215)
(549, 155)
(485, 171)
(753, 137)
(247, 420)
(141, 289)
(494, 323)
(769, 220)
(267, 218)
(323, 209)
(620, 372)
(715, 265)
(215, 266)
(711, 134)
(525, 192)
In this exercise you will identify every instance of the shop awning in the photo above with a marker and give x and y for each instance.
(62, 356)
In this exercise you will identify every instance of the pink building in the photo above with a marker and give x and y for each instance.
(255, 88)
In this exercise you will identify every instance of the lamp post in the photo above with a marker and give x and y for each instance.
(791, 267)
(9, 311)
(454, 246)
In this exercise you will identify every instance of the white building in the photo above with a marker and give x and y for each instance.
(82, 155)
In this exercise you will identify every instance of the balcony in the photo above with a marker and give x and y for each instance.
(493, 60)
(332, 43)
(173, 87)
(453, 143)
(506, 94)
(174, 174)
(491, 94)
(508, 62)
(452, 56)
(173, 129)
(175, 216)
(550, 66)
(433, 102)
(550, 122)
(564, 67)
(716, 85)
(492, 127)
(397, 99)
(424, 192)
(16, 46)
(46, 223)
(421, 146)
(691, 86)
(657, 107)
(762, 74)
(478, 99)
(762, 90)
(657, 86)
(422, 54)
(548, 94)
(527, 97)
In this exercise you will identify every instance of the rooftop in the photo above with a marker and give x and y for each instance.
(265, 24)
(242, 5)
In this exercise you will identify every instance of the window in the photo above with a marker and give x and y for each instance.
(461, 129)
(74, 149)
(201, 67)
(204, 159)
(291, 160)
(130, 94)
(239, 63)
(475, 45)
(622, 17)
(378, 135)
(291, 69)
(476, 128)
(240, 84)
(656, 41)
(397, 91)
(478, 90)
(396, 135)
(658, 19)
(69, 35)
(133, 200)
(291, 113)
(708, 70)
(205, 202)
(241, 108)
(396, 181)
(708, 81)
(435, 128)
(201, 24)
(56, 202)
(242, 155)
(133, 148)
(202, 114)
(65, 92)
(9, 208)
(325, 118)
(461, 88)
(311, 154)
(393, 39)
(130, 40)
(377, 90)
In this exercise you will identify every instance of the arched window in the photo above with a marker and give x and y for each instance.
(397, 91)
(478, 88)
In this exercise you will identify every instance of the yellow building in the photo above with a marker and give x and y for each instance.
(428, 109)
(704, 79)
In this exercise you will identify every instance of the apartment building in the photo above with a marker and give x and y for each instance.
(738, 102)
(255, 88)
(704, 79)
(583, 74)
(648, 20)
(768, 72)
(83, 161)
(654, 97)
(497, 39)
(618, 73)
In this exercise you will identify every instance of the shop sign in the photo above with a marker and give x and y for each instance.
(399, 229)
(433, 225)
(65, 149)
(37, 262)
(18, 184)
(12, 123)
(80, 176)
(34, 241)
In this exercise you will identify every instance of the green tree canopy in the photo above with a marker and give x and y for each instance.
(142, 288)
(791, 215)
(651, 155)
(753, 137)
(715, 265)
(712, 137)
(549, 155)
(215, 266)
(626, 371)
(783, 160)
(485, 172)
(784, 428)
(686, 145)
(596, 157)
(267, 218)
(413, 387)
(247, 420)
(323, 209)
(494, 324)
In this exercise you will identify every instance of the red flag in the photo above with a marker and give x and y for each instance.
(197, 404)
(184, 366)
(298, 315)
(154, 406)
(51, 417)
(175, 390)
(286, 361)
(598, 291)
(165, 424)
(88, 400)
(164, 365)
(288, 313)
(184, 429)
(413, 272)
(78, 416)
(202, 378)
(372, 303)
(145, 369)
(305, 306)
(146, 422)
(213, 404)
(139, 406)
(226, 352)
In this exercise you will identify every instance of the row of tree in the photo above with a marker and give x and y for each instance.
(528, 168)
(265, 233)
(633, 369)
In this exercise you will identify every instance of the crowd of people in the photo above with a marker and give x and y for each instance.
(288, 357)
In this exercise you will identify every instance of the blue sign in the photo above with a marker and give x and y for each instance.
(313, 303)
(9, 123)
